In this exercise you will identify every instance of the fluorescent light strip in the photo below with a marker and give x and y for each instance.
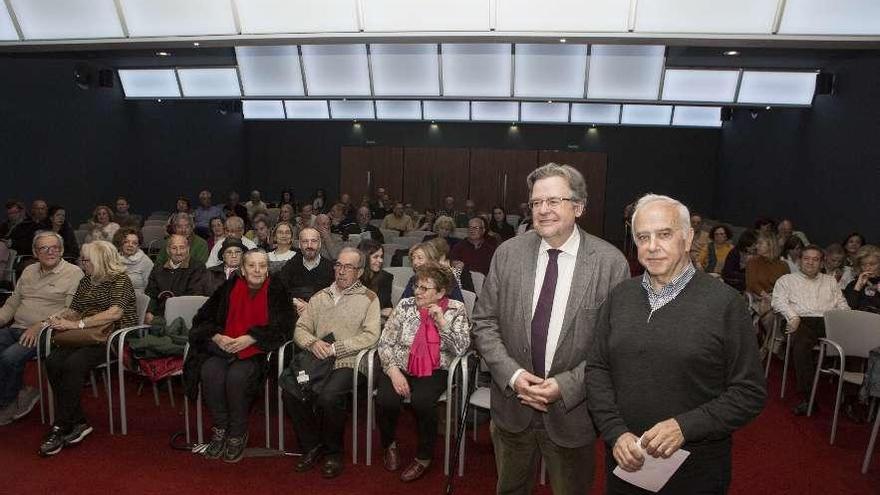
(262, 109)
(149, 83)
(306, 109)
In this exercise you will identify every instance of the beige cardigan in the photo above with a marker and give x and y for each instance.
(354, 322)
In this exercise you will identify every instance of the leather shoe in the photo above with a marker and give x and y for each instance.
(332, 466)
(392, 458)
(309, 460)
(413, 472)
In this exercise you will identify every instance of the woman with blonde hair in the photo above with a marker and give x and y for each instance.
(101, 226)
(434, 251)
(762, 271)
(104, 302)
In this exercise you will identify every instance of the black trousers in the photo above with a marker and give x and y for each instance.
(224, 387)
(424, 393)
(68, 369)
(810, 330)
(704, 472)
(321, 420)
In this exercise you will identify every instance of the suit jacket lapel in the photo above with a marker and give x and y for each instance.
(584, 272)
(530, 264)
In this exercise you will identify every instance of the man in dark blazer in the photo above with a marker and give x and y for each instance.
(532, 326)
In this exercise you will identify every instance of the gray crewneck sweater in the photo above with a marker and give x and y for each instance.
(696, 360)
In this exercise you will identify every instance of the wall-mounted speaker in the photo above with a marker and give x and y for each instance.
(826, 83)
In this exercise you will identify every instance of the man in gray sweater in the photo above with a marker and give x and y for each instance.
(674, 362)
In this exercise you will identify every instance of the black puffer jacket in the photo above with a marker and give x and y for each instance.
(211, 319)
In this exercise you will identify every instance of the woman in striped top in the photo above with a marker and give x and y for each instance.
(104, 295)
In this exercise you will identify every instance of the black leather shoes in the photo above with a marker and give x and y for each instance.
(310, 459)
(53, 442)
(332, 466)
(235, 448)
(217, 446)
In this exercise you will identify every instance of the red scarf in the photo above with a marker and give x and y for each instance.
(424, 355)
(245, 312)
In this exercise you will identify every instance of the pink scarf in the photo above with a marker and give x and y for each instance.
(424, 355)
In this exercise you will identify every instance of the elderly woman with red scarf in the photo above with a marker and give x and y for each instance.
(246, 317)
(422, 337)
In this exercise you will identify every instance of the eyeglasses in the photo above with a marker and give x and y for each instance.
(48, 249)
(553, 203)
(475, 227)
(345, 267)
(423, 288)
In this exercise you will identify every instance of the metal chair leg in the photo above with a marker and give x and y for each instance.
(871, 442)
(371, 408)
(785, 365)
(170, 392)
(837, 400)
(266, 409)
(94, 384)
(156, 394)
(816, 380)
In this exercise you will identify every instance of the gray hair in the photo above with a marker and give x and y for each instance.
(358, 252)
(46, 233)
(250, 252)
(235, 220)
(571, 175)
(684, 215)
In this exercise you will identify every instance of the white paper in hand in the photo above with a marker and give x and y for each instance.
(655, 472)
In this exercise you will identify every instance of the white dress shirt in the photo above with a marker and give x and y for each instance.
(796, 295)
(565, 273)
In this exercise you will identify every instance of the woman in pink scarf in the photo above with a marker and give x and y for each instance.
(423, 335)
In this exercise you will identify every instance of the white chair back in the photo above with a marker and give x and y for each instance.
(401, 274)
(469, 300)
(354, 239)
(389, 235)
(407, 242)
(388, 251)
(478, 279)
(396, 293)
(184, 307)
(153, 233)
(80, 235)
(857, 332)
(143, 301)
(418, 233)
(376, 222)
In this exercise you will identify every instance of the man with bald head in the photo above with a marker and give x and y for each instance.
(307, 274)
(180, 275)
(674, 363)
(362, 226)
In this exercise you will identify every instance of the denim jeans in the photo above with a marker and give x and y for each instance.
(13, 358)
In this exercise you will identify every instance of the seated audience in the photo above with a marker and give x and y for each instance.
(282, 238)
(348, 210)
(287, 198)
(863, 293)
(319, 200)
(426, 222)
(444, 227)
(791, 253)
(286, 213)
(712, 257)
(734, 271)
(44, 289)
(232, 208)
(101, 226)
(58, 223)
(182, 224)
(306, 218)
(261, 234)
(435, 251)
(247, 317)
(350, 313)
(255, 204)
(834, 258)
(802, 298)
(762, 271)
(475, 252)
(217, 232)
(137, 264)
(180, 275)
(375, 278)
(329, 245)
(422, 337)
(785, 229)
(362, 226)
(851, 245)
(382, 205)
(123, 215)
(498, 226)
(205, 213)
(764, 224)
(448, 208)
(230, 254)
(104, 302)
(307, 274)
(234, 230)
(15, 214)
(398, 220)
(339, 221)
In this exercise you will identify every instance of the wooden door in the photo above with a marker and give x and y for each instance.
(498, 177)
(430, 174)
(593, 166)
(364, 169)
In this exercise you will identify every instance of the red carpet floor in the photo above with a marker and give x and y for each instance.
(777, 454)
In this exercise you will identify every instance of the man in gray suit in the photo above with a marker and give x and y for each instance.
(532, 326)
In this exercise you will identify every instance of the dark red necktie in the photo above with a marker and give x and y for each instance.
(541, 318)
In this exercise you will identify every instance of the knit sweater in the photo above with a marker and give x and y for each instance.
(762, 273)
(401, 327)
(354, 322)
(696, 360)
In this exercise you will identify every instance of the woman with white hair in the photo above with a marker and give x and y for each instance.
(104, 302)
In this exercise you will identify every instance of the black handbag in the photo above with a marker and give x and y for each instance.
(305, 376)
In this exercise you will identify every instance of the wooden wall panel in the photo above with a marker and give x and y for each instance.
(430, 174)
(366, 168)
(498, 177)
(593, 166)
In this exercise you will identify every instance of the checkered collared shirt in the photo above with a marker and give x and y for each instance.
(658, 299)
